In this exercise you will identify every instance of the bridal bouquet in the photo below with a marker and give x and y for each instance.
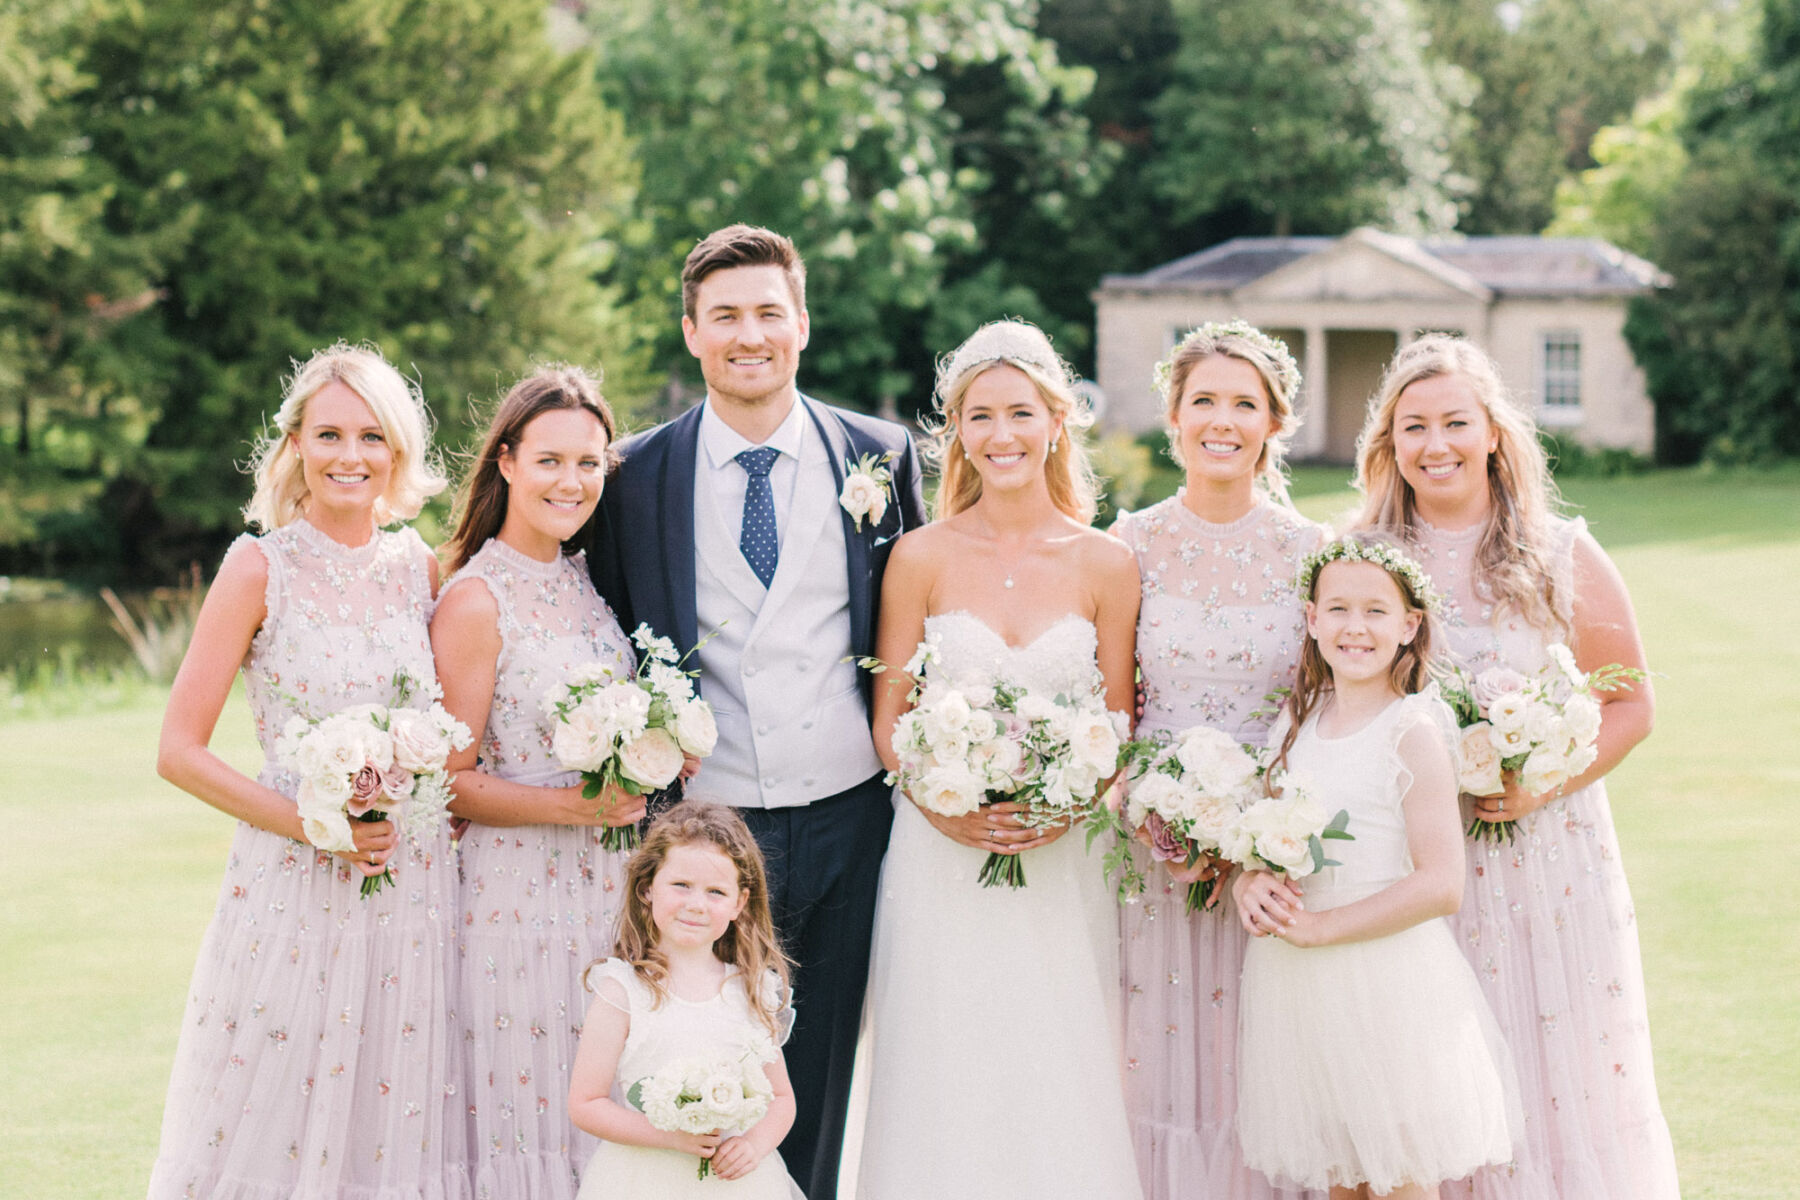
(700, 1095)
(1201, 792)
(632, 731)
(1542, 728)
(961, 747)
(368, 763)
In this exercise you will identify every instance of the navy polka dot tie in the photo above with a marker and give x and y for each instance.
(758, 540)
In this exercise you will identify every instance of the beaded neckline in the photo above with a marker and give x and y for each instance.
(317, 539)
(1258, 510)
(522, 562)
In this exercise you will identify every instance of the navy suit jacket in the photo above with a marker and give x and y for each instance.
(642, 559)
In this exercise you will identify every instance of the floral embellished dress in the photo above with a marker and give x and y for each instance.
(538, 902)
(1547, 922)
(1219, 627)
(316, 1056)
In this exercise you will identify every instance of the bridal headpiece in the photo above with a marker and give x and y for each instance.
(1017, 343)
(1357, 548)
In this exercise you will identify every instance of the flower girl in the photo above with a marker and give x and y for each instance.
(679, 1071)
(1368, 1060)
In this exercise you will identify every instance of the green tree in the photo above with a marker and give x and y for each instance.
(1721, 348)
(1313, 115)
(70, 398)
(832, 124)
(430, 175)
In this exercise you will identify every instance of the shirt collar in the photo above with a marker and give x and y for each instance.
(722, 444)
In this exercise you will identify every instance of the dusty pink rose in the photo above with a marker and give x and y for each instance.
(397, 783)
(1165, 844)
(1494, 683)
(365, 790)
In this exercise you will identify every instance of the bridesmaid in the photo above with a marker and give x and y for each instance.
(1219, 628)
(539, 891)
(1448, 459)
(316, 1052)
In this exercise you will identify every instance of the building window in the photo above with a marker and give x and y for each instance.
(1561, 392)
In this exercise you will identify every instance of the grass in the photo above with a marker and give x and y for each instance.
(109, 874)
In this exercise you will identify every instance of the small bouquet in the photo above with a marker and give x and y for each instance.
(630, 731)
(962, 747)
(1204, 793)
(701, 1095)
(370, 762)
(1542, 728)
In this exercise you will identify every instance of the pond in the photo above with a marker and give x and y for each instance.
(46, 622)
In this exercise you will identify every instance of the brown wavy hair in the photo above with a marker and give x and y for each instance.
(749, 943)
(481, 504)
(1514, 559)
(1409, 672)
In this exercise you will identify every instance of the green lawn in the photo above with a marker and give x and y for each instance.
(109, 873)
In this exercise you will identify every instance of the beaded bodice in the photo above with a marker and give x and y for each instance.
(342, 624)
(550, 620)
(1220, 624)
(1478, 633)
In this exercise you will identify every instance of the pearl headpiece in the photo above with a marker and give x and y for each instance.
(1017, 343)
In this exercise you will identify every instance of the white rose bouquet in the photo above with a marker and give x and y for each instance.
(633, 731)
(369, 763)
(1283, 829)
(1186, 792)
(962, 747)
(1544, 729)
(703, 1095)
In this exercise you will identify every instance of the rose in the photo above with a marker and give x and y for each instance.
(1160, 792)
(1494, 683)
(1479, 769)
(1056, 790)
(421, 743)
(1544, 770)
(1165, 844)
(723, 1094)
(981, 727)
(397, 783)
(1288, 850)
(1237, 841)
(950, 791)
(365, 790)
(1507, 712)
(1581, 713)
(695, 728)
(651, 759)
(329, 831)
(1034, 708)
(1210, 820)
(863, 498)
(1541, 723)
(979, 695)
(995, 758)
(583, 739)
(1094, 741)
(627, 705)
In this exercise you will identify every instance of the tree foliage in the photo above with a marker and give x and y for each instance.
(1316, 115)
(429, 175)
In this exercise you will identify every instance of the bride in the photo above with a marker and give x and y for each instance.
(995, 1064)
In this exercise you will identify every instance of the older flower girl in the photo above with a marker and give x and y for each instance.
(1368, 1060)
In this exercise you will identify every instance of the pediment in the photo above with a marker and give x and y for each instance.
(1367, 266)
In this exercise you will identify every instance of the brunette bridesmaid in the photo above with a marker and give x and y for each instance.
(1219, 628)
(1448, 459)
(317, 1055)
(540, 893)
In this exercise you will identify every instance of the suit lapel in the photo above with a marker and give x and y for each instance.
(677, 524)
(842, 449)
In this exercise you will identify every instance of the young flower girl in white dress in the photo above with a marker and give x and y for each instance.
(1368, 1060)
(696, 974)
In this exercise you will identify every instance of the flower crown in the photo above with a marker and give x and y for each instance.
(1281, 364)
(1018, 343)
(1388, 558)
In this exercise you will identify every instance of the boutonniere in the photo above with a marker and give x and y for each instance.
(866, 488)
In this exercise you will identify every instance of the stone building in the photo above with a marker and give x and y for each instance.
(1550, 310)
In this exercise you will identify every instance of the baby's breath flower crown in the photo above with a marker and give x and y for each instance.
(1383, 555)
(1281, 362)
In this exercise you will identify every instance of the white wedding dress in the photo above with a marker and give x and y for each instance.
(995, 1045)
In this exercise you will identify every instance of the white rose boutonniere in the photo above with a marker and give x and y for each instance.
(867, 488)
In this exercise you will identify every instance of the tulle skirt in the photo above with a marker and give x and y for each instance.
(994, 1044)
(318, 1056)
(1373, 1062)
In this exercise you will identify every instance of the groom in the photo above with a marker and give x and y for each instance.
(728, 522)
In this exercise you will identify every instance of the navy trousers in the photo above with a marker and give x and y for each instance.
(824, 871)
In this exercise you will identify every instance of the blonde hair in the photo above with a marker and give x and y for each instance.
(1274, 365)
(1068, 473)
(1411, 669)
(281, 492)
(749, 942)
(1513, 560)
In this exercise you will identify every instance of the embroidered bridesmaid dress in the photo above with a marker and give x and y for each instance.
(316, 1056)
(1548, 925)
(538, 902)
(1220, 626)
